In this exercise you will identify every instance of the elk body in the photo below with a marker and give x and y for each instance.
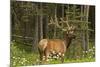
(51, 47)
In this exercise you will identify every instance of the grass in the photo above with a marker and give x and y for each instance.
(73, 60)
(22, 55)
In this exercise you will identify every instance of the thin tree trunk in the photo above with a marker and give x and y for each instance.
(41, 22)
(73, 47)
(62, 10)
(55, 22)
(45, 27)
(82, 32)
(35, 40)
(87, 32)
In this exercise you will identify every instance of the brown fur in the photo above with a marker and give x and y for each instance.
(55, 45)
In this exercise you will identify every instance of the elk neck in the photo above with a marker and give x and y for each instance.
(68, 41)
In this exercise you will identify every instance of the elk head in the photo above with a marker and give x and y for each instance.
(69, 35)
(69, 31)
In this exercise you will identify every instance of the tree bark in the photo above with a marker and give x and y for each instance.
(87, 32)
(62, 10)
(35, 40)
(55, 22)
(41, 22)
(45, 27)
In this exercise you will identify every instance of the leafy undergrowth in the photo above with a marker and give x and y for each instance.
(22, 55)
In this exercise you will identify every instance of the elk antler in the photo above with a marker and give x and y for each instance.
(60, 24)
(65, 22)
(51, 21)
(55, 22)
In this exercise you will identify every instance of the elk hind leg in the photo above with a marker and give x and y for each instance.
(41, 56)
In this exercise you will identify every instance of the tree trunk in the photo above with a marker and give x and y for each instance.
(62, 10)
(45, 27)
(87, 32)
(35, 40)
(55, 22)
(41, 22)
(86, 12)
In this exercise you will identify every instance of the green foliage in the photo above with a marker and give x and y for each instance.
(90, 53)
(22, 55)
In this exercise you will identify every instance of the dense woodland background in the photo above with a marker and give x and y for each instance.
(33, 21)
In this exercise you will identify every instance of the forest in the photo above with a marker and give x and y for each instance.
(34, 21)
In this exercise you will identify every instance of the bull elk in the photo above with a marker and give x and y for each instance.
(51, 47)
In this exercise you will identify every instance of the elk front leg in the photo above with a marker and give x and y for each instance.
(62, 58)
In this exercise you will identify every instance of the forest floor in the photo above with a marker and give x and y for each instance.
(22, 55)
